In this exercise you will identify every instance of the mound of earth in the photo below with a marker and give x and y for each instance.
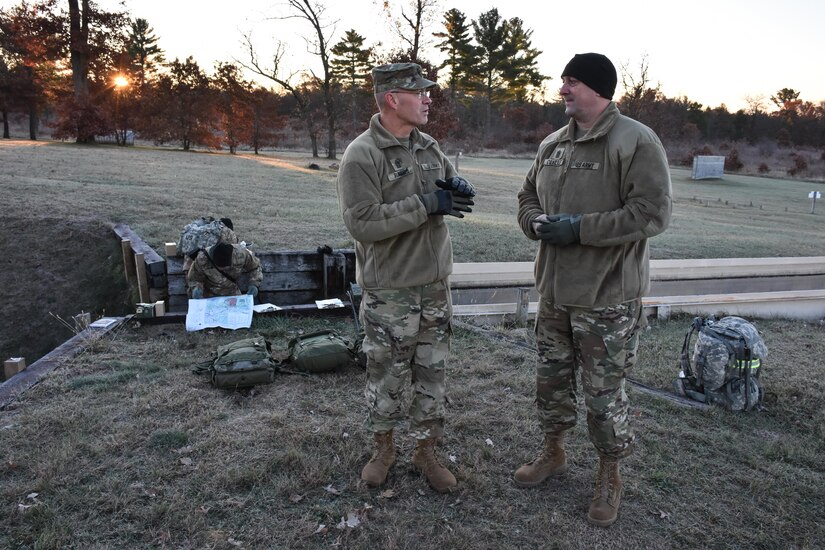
(54, 269)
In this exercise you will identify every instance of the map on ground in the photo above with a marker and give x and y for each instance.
(230, 312)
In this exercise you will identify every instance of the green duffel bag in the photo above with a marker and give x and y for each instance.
(242, 364)
(321, 351)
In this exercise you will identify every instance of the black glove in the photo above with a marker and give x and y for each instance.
(445, 203)
(560, 230)
(457, 185)
(197, 293)
(252, 290)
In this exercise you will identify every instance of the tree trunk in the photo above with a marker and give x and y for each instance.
(78, 48)
(331, 151)
(33, 121)
(313, 139)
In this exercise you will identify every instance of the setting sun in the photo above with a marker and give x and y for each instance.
(121, 81)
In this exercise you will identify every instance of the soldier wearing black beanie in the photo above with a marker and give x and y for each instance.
(595, 70)
(598, 189)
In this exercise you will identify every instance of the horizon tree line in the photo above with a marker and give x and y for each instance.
(61, 60)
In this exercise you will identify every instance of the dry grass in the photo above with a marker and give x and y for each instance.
(277, 203)
(126, 448)
(123, 447)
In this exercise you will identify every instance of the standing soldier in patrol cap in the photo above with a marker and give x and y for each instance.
(598, 189)
(394, 188)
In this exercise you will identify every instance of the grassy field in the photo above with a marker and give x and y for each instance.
(277, 203)
(123, 447)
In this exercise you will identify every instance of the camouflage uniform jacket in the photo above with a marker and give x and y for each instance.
(204, 274)
(617, 177)
(397, 245)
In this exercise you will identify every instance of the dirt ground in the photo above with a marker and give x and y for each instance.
(55, 268)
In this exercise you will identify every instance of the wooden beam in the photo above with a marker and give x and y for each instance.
(142, 279)
(128, 261)
(11, 389)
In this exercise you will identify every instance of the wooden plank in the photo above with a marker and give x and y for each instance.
(142, 280)
(178, 303)
(280, 282)
(138, 245)
(11, 389)
(481, 274)
(302, 310)
(128, 261)
(174, 266)
(715, 268)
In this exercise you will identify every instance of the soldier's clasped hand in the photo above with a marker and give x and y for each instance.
(458, 186)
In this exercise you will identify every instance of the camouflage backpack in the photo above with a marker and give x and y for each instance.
(204, 233)
(240, 364)
(727, 362)
(321, 351)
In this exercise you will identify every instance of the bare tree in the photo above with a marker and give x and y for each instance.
(410, 25)
(317, 44)
(274, 73)
(313, 12)
(639, 95)
(756, 104)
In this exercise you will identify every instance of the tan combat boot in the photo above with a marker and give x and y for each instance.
(551, 462)
(439, 477)
(376, 470)
(605, 505)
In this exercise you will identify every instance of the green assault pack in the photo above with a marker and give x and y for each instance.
(241, 364)
(321, 351)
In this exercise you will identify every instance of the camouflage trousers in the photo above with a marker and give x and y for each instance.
(407, 336)
(601, 344)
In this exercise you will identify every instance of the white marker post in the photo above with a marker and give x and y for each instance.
(813, 195)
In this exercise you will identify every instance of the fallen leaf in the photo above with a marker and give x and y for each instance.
(351, 522)
(388, 493)
(184, 450)
(24, 507)
(234, 542)
(489, 442)
(322, 529)
(186, 461)
(332, 490)
(296, 498)
(344, 435)
(204, 510)
(452, 458)
(32, 496)
(663, 514)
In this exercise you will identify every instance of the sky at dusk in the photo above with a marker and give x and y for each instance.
(713, 52)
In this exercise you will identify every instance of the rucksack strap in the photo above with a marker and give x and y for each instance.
(222, 272)
(684, 358)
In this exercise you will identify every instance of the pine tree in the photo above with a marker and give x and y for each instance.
(351, 62)
(519, 72)
(462, 55)
(143, 49)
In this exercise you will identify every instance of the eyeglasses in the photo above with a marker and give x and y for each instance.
(420, 93)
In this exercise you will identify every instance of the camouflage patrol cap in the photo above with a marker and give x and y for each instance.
(399, 76)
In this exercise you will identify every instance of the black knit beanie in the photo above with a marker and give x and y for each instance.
(222, 254)
(595, 70)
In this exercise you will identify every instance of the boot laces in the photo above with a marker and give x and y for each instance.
(608, 475)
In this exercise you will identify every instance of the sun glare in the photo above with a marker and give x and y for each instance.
(121, 81)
